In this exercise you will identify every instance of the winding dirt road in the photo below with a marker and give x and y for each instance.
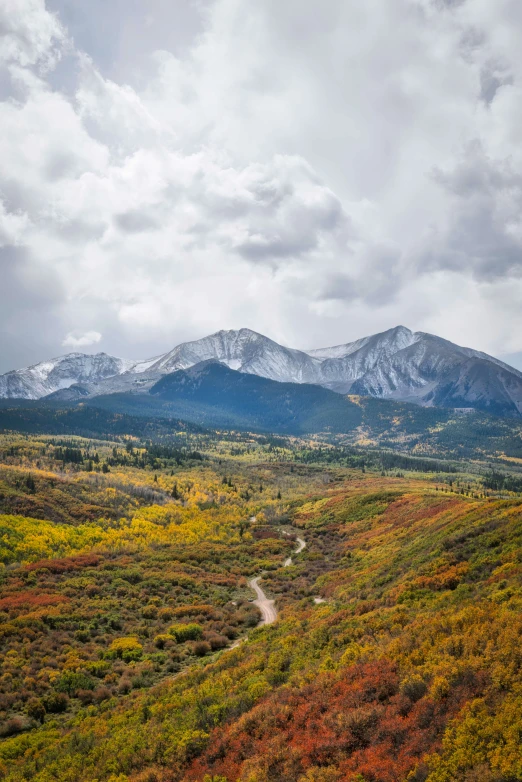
(301, 544)
(266, 606)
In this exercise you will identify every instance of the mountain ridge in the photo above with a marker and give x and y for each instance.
(395, 364)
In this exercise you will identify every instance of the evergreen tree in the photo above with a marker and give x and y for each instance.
(31, 486)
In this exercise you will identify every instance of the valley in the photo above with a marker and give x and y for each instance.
(200, 605)
(252, 527)
(265, 605)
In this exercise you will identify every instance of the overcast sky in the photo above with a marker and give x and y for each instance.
(316, 171)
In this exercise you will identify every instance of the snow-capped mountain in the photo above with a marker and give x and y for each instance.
(387, 342)
(342, 365)
(418, 371)
(245, 351)
(395, 364)
(482, 384)
(58, 373)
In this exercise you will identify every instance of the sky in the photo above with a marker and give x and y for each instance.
(314, 171)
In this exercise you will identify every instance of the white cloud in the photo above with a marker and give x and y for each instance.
(314, 175)
(78, 340)
(30, 34)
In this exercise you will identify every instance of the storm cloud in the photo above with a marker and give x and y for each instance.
(314, 172)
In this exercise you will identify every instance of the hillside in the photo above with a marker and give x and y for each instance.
(211, 395)
(31, 417)
(215, 394)
(395, 654)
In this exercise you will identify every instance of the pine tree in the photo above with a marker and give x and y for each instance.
(31, 486)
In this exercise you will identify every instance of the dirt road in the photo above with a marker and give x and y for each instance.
(266, 606)
(301, 544)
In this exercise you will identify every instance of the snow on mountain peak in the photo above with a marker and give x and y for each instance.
(396, 363)
(61, 372)
(390, 341)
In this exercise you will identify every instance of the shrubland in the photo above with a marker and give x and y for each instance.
(131, 651)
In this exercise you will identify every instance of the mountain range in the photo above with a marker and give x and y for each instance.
(397, 364)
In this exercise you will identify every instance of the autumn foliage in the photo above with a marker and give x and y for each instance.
(397, 654)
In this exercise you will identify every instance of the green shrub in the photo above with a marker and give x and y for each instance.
(70, 682)
(189, 632)
(98, 668)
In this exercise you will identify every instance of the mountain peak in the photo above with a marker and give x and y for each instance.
(60, 373)
(392, 340)
(395, 364)
(235, 332)
(400, 330)
(242, 333)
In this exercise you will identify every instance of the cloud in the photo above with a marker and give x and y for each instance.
(135, 221)
(84, 340)
(483, 233)
(492, 77)
(315, 176)
(30, 34)
(30, 306)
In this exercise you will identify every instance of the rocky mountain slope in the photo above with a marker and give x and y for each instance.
(50, 376)
(396, 364)
(246, 351)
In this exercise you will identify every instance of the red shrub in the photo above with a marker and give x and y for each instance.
(65, 564)
(30, 599)
(359, 722)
